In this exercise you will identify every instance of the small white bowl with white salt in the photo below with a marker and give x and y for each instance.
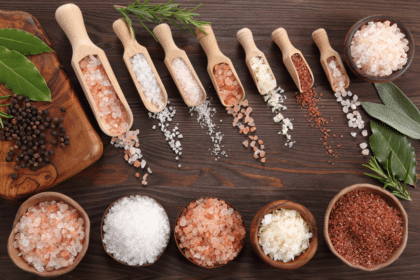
(379, 49)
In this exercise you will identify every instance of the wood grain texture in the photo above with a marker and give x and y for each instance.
(301, 174)
(67, 161)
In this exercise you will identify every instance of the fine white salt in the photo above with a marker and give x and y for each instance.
(187, 81)
(136, 230)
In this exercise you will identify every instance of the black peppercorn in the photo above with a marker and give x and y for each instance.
(14, 176)
(17, 167)
(60, 120)
(8, 159)
(62, 130)
(51, 152)
(52, 126)
(62, 109)
(55, 120)
(22, 165)
(67, 143)
(45, 113)
(47, 159)
(62, 145)
(10, 154)
(54, 142)
(66, 137)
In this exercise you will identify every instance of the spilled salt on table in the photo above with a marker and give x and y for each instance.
(204, 118)
(210, 232)
(49, 236)
(229, 88)
(284, 235)
(136, 230)
(272, 95)
(379, 48)
(188, 83)
(147, 80)
(110, 108)
(172, 137)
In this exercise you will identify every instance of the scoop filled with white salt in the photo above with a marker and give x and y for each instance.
(135, 230)
(180, 68)
(141, 68)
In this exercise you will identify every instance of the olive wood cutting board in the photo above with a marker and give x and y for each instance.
(85, 148)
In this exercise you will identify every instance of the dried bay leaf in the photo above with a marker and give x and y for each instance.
(22, 42)
(21, 76)
(384, 141)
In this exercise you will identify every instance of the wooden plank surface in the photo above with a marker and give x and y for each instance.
(301, 174)
(68, 161)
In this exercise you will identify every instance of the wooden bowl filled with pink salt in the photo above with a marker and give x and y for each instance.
(210, 232)
(366, 227)
(284, 234)
(379, 49)
(50, 235)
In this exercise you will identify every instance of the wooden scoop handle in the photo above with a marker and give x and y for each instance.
(70, 19)
(208, 42)
(124, 32)
(282, 40)
(164, 35)
(321, 40)
(246, 39)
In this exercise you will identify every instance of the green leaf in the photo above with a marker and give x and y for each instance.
(394, 118)
(389, 144)
(21, 76)
(22, 41)
(393, 97)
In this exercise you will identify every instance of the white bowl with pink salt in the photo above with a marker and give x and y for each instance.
(50, 235)
(379, 49)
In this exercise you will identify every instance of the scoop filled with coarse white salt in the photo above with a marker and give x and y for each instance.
(135, 230)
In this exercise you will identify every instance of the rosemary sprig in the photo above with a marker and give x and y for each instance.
(388, 179)
(3, 114)
(158, 12)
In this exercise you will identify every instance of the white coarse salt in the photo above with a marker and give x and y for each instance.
(284, 235)
(353, 134)
(187, 81)
(136, 230)
(266, 81)
(363, 145)
(365, 152)
(379, 48)
(364, 133)
(204, 119)
(147, 80)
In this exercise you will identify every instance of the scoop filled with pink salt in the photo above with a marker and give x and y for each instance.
(210, 232)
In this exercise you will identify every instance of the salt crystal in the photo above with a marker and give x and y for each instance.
(363, 145)
(187, 81)
(365, 152)
(364, 133)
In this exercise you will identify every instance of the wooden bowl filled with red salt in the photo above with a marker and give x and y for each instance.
(307, 217)
(371, 236)
(79, 214)
(395, 73)
(210, 232)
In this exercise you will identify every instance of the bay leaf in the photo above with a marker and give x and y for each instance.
(393, 97)
(395, 118)
(22, 41)
(21, 76)
(384, 141)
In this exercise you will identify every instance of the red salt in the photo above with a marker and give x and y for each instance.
(229, 88)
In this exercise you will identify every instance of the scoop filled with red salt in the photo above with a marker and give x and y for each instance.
(210, 232)
(220, 68)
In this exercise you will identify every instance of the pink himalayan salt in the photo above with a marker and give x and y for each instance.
(229, 88)
(49, 235)
(378, 48)
(110, 108)
(210, 232)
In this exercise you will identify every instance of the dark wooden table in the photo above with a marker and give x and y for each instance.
(301, 174)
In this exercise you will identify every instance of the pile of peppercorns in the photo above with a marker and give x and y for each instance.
(31, 128)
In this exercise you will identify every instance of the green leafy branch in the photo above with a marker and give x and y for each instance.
(388, 179)
(3, 114)
(158, 12)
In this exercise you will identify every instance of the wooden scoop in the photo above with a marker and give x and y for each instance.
(247, 41)
(215, 57)
(70, 18)
(327, 55)
(131, 48)
(164, 35)
(282, 40)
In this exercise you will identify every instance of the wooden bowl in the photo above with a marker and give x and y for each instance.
(182, 251)
(306, 215)
(352, 64)
(392, 200)
(102, 231)
(33, 201)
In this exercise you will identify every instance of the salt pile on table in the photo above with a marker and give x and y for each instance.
(229, 88)
(110, 108)
(210, 232)
(136, 230)
(49, 235)
(379, 48)
(272, 95)
(172, 137)
(147, 80)
(204, 118)
(188, 83)
(284, 235)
